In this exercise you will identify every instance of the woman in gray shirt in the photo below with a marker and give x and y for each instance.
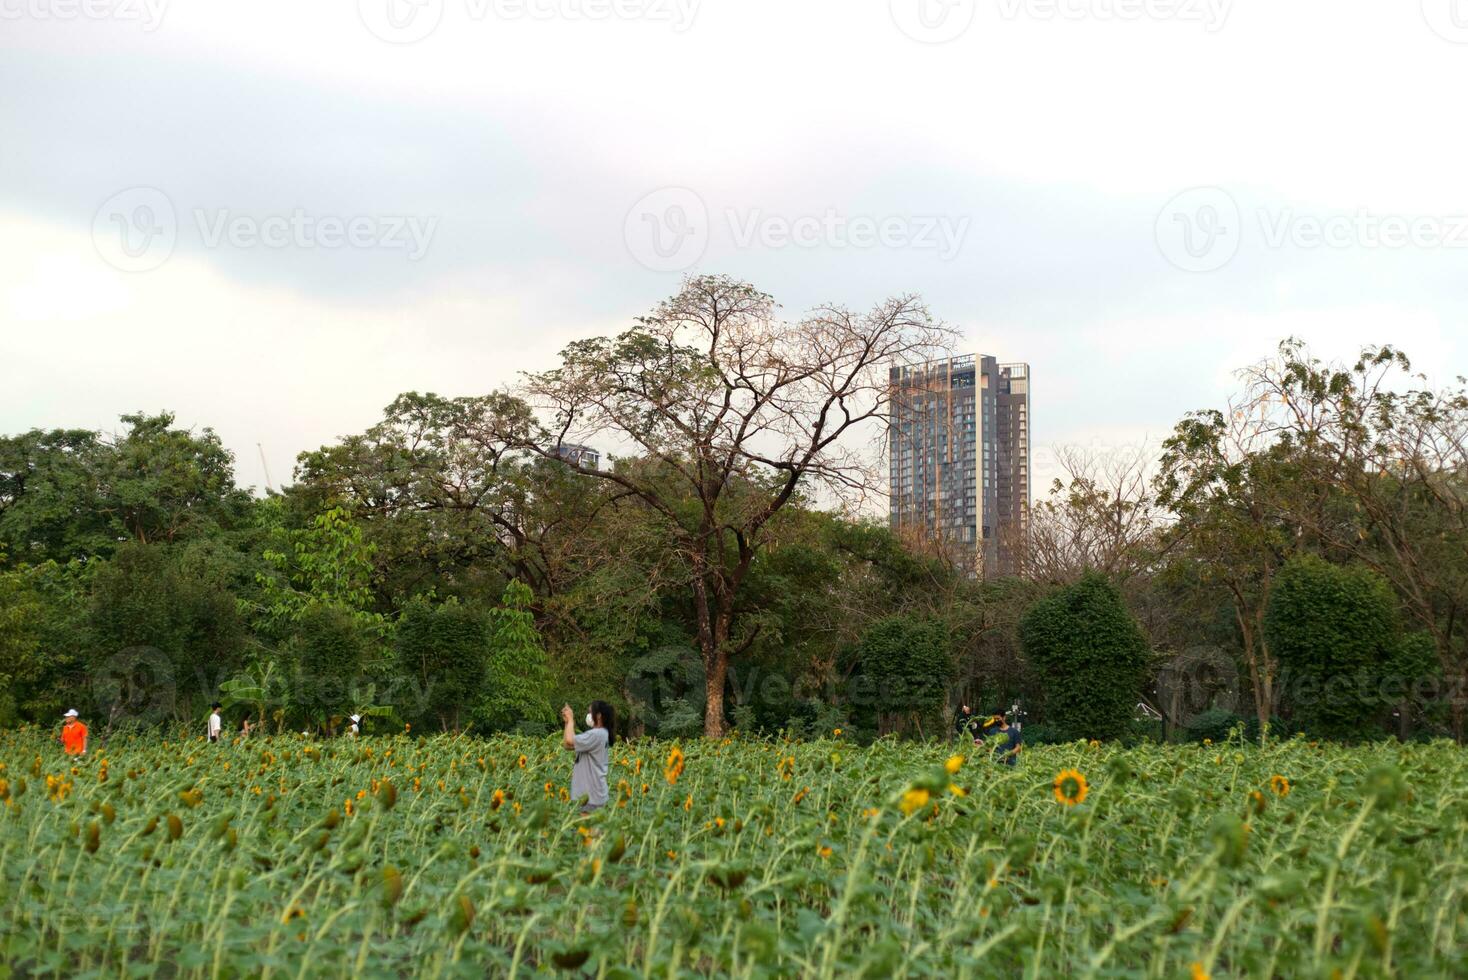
(593, 749)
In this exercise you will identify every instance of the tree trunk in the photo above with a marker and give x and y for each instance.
(715, 670)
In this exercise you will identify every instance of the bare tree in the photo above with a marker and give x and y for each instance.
(1101, 517)
(730, 413)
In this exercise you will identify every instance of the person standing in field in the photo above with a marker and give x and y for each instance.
(355, 728)
(216, 724)
(73, 734)
(593, 753)
(1007, 742)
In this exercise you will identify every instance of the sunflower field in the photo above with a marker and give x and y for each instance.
(442, 856)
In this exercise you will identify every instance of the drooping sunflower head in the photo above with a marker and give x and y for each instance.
(1071, 787)
(1279, 784)
(913, 799)
(674, 766)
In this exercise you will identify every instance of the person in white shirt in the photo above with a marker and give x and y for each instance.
(355, 728)
(216, 724)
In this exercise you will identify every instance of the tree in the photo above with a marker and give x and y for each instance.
(1091, 658)
(518, 681)
(1226, 486)
(1394, 451)
(332, 649)
(165, 629)
(447, 647)
(21, 662)
(1101, 517)
(732, 413)
(1335, 630)
(324, 564)
(905, 664)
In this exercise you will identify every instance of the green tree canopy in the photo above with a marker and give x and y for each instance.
(1091, 658)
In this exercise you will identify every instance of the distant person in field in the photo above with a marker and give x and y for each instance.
(216, 723)
(73, 734)
(593, 749)
(965, 725)
(355, 728)
(1006, 741)
(246, 727)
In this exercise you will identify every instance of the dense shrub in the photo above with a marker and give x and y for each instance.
(1090, 656)
(1334, 631)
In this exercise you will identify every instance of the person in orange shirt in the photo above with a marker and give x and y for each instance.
(73, 734)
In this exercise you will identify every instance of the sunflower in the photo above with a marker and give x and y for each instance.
(497, 800)
(1070, 787)
(913, 799)
(953, 764)
(1198, 973)
(520, 762)
(1279, 784)
(674, 766)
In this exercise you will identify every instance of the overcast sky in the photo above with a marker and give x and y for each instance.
(272, 217)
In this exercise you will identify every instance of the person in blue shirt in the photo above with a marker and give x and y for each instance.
(1006, 741)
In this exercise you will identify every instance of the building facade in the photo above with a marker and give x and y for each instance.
(959, 459)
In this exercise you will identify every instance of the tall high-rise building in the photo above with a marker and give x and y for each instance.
(959, 459)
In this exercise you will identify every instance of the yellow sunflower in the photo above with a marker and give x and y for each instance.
(1071, 787)
(913, 799)
(1279, 784)
(674, 766)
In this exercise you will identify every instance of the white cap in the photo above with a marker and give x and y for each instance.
(356, 717)
(70, 714)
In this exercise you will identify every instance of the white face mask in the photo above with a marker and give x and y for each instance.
(590, 722)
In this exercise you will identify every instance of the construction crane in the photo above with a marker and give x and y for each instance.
(266, 466)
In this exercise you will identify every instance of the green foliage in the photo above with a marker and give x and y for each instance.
(70, 494)
(325, 563)
(332, 648)
(165, 629)
(905, 664)
(1334, 629)
(519, 682)
(763, 859)
(447, 648)
(21, 617)
(1091, 658)
(1213, 725)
